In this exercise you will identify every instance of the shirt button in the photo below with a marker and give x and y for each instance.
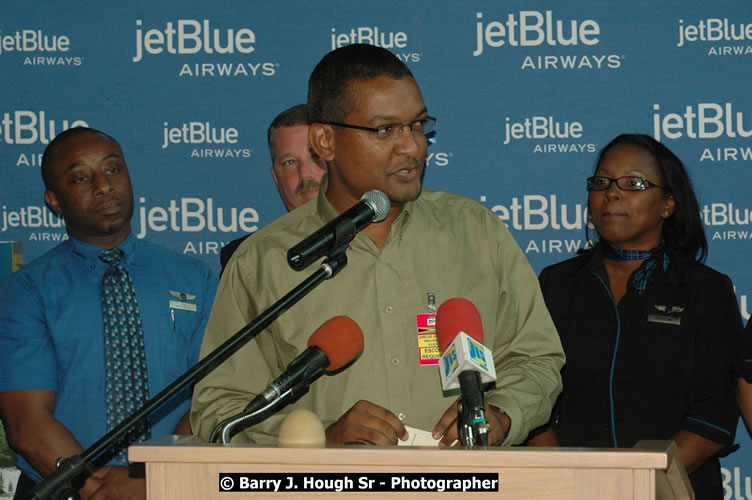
(401, 416)
(380, 258)
(389, 309)
(395, 361)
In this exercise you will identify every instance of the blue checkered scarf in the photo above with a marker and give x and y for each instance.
(640, 277)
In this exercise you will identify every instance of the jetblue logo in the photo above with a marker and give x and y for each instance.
(198, 133)
(193, 215)
(531, 28)
(541, 127)
(199, 37)
(537, 212)
(703, 120)
(31, 127)
(370, 35)
(33, 41)
(191, 37)
(714, 30)
(32, 216)
(396, 41)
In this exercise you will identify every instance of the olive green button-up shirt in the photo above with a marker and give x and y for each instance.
(440, 243)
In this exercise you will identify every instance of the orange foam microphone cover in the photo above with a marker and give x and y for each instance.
(340, 338)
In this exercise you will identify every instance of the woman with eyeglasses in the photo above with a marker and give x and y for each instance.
(647, 328)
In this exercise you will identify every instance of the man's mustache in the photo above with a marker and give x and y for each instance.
(307, 184)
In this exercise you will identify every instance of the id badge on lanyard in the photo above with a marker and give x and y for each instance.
(428, 343)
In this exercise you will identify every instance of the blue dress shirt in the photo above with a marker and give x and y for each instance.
(51, 331)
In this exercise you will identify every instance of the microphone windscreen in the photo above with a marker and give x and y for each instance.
(455, 316)
(379, 202)
(340, 338)
(302, 428)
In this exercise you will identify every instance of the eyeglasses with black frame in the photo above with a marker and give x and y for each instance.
(626, 183)
(393, 130)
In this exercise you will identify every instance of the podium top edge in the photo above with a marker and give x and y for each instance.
(182, 449)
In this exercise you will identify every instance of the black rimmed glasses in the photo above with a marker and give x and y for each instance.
(393, 130)
(627, 183)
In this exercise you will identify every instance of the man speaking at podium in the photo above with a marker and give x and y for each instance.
(368, 122)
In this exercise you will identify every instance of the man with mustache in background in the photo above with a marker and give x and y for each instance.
(296, 169)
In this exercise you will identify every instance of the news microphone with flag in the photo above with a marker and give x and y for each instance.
(465, 363)
(460, 333)
(372, 207)
(333, 345)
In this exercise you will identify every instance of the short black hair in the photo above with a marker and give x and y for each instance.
(683, 231)
(329, 85)
(291, 117)
(55, 143)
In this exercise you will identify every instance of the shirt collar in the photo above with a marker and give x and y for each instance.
(400, 224)
(90, 252)
(596, 264)
(327, 212)
(325, 209)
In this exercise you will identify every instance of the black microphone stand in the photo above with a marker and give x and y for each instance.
(250, 416)
(267, 403)
(58, 485)
(471, 418)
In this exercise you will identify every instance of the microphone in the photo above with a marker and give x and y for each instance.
(372, 207)
(465, 363)
(459, 330)
(302, 427)
(334, 344)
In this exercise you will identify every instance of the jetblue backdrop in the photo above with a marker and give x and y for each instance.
(525, 92)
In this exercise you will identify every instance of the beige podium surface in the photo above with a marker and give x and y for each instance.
(184, 468)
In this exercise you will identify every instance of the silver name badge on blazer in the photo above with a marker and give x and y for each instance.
(185, 306)
(182, 304)
(668, 320)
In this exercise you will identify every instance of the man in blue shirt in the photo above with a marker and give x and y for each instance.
(52, 383)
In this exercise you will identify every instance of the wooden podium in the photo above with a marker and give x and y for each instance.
(183, 468)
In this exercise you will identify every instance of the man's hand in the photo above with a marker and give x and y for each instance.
(447, 430)
(117, 485)
(368, 423)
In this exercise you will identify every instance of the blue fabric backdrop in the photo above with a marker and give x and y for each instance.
(525, 92)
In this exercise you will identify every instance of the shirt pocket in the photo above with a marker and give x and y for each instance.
(177, 330)
(664, 350)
